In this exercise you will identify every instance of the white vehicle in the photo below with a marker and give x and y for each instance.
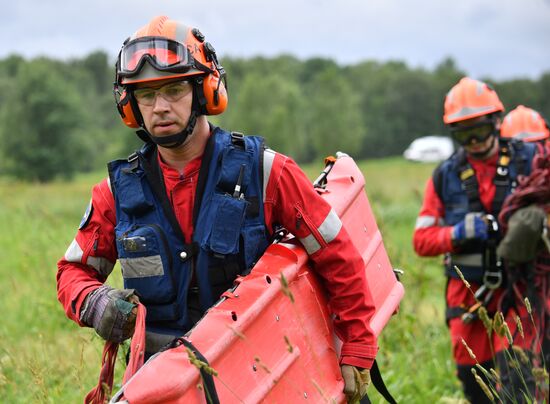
(429, 149)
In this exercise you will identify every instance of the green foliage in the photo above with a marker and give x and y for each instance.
(41, 122)
(304, 108)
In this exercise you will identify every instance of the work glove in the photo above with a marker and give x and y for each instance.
(355, 382)
(473, 227)
(523, 238)
(111, 312)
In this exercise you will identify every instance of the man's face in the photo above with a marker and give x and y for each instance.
(165, 105)
(476, 135)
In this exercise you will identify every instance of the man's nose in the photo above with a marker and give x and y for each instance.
(160, 103)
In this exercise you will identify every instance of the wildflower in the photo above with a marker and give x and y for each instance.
(285, 288)
(520, 353)
(470, 352)
(483, 386)
(462, 277)
(484, 316)
(498, 322)
(519, 325)
(527, 305)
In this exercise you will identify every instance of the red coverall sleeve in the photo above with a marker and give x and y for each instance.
(291, 201)
(91, 256)
(431, 237)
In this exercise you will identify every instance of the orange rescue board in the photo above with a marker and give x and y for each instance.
(265, 346)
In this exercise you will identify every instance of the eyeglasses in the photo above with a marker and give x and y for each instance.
(161, 53)
(172, 92)
(479, 133)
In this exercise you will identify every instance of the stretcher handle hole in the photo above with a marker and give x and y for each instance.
(234, 316)
(268, 279)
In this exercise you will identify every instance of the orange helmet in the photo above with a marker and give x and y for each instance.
(166, 49)
(468, 99)
(526, 124)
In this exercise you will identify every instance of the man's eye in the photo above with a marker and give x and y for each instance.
(145, 94)
(174, 90)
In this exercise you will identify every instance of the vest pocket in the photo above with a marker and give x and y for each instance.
(223, 237)
(145, 259)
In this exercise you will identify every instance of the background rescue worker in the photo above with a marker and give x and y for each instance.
(457, 218)
(528, 125)
(525, 219)
(196, 207)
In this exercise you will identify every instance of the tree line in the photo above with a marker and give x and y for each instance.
(58, 117)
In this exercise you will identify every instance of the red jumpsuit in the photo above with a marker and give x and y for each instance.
(289, 200)
(431, 238)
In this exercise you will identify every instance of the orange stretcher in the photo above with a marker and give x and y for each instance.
(271, 339)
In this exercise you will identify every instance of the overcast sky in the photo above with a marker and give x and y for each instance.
(501, 39)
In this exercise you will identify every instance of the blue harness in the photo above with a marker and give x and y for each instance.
(229, 228)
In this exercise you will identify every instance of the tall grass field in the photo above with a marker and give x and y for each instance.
(46, 358)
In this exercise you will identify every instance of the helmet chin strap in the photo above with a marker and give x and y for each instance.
(482, 155)
(171, 141)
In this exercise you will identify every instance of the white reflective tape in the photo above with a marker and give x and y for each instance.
(101, 265)
(467, 111)
(141, 267)
(330, 227)
(425, 221)
(74, 253)
(470, 260)
(310, 244)
(269, 156)
(109, 183)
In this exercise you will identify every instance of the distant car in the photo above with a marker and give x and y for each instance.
(429, 149)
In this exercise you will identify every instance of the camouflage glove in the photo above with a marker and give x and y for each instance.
(355, 382)
(522, 240)
(111, 312)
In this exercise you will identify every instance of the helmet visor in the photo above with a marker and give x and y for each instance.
(163, 54)
(477, 133)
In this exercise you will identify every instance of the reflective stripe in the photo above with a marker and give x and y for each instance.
(109, 184)
(528, 135)
(467, 111)
(470, 260)
(328, 230)
(330, 227)
(74, 253)
(141, 267)
(101, 265)
(425, 221)
(310, 244)
(269, 156)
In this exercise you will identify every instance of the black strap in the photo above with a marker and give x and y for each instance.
(203, 174)
(502, 178)
(379, 384)
(154, 176)
(470, 185)
(210, 392)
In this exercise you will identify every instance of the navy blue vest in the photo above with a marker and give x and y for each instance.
(229, 228)
(451, 191)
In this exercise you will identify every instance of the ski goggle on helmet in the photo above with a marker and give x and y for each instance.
(163, 54)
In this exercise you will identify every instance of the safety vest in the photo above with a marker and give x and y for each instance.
(229, 228)
(456, 184)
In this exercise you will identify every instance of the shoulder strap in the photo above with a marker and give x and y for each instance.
(502, 176)
(467, 176)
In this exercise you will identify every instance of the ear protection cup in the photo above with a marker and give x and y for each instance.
(214, 93)
(126, 110)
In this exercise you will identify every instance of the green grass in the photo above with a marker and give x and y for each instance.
(44, 357)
